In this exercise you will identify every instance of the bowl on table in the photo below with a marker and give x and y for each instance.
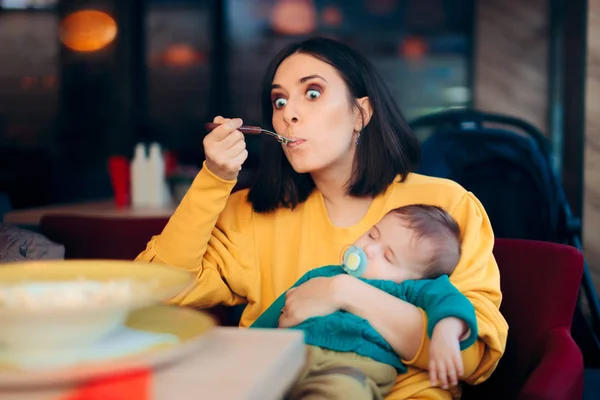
(51, 307)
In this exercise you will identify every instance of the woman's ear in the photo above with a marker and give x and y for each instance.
(363, 113)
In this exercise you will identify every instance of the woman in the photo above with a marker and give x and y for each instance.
(351, 163)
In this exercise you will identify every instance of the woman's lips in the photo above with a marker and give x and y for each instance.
(297, 142)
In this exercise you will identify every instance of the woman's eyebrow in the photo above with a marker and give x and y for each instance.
(301, 80)
(306, 78)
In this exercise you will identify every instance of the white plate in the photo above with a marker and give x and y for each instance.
(187, 325)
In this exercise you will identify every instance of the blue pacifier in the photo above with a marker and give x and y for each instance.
(354, 261)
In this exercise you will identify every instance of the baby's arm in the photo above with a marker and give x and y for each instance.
(441, 300)
(445, 361)
(452, 326)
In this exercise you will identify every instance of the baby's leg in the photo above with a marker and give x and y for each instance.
(336, 384)
(345, 376)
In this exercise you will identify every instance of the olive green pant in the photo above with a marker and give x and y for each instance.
(333, 375)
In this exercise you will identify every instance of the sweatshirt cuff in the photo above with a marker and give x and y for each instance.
(205, 172)
(467, 316)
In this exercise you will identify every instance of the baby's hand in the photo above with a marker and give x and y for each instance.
(445, 361)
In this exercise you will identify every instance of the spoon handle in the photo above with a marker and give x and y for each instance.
(254, 130)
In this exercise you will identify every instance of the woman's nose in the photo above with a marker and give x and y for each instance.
(290, 114)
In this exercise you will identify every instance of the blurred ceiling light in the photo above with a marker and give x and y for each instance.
(332, 16)
(294, 17)
(180, 56)
(87, 30)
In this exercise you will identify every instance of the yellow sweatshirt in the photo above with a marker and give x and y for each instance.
(241, 256)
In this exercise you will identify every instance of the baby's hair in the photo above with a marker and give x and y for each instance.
(435, 225)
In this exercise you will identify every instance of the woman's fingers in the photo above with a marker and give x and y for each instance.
(234, 143)
(225, 148)
(226, 127)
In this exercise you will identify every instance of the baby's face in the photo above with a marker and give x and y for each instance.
(392, 253)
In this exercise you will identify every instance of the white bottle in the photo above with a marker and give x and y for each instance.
(140, 196)
(159, 195)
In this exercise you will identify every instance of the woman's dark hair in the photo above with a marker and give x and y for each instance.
(387, 146)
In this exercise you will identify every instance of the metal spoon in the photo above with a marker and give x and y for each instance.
(255, 130)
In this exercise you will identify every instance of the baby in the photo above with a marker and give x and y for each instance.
(409, 254)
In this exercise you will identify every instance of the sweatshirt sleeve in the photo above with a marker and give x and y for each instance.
(440, 299)
(270, 317)
(477, 277)
(210, 233)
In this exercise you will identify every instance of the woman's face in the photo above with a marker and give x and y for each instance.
(311, 104)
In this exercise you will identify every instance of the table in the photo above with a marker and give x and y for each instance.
(102, 208)
(240, 364)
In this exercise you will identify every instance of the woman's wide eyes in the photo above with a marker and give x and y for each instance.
(312, 94)
(280, 102)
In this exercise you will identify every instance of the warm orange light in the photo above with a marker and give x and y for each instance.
(413, 48)
(181, 55)
(87, 30)
(332, 16)
(294, 17)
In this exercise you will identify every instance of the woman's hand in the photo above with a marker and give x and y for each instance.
(225, 148)
(313, 298)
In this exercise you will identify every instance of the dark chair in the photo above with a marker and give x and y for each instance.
(540, 284)
(5, 205)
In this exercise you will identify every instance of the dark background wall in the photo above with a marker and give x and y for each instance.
(176, 64)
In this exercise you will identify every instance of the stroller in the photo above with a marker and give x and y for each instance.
(507, 164)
